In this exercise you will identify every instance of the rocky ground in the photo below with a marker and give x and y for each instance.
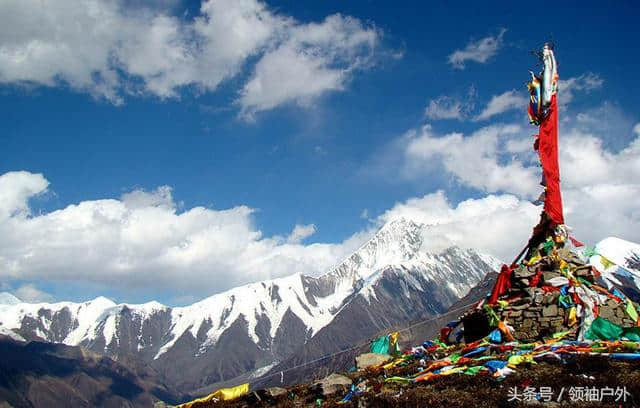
(580, 382)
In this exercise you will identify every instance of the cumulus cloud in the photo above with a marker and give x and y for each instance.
(17, 187)
(300, 233)
(599, 183)
(475, 160)
(312, 60)
(29, 293)
(110, 48)
(495, 224)
(501, 224)
(142, 241)
(478, 51)
(504, 102)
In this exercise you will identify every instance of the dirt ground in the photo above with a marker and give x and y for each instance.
(580, 382)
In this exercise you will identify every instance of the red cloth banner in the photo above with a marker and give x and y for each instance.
(548, 151)
(502, 284)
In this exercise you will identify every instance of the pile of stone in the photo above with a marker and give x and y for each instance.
(552, 290)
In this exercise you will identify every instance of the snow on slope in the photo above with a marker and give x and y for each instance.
(11, 334)
(623, 253)
(399, 244)
(395, 243)
(85, 315)
(7, 298)
(270, 299)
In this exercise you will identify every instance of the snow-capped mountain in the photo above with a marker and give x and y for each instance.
(390, 279)
(625, 273)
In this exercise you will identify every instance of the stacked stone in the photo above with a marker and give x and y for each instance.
(615, 312)
(532, 312)
(535, 313)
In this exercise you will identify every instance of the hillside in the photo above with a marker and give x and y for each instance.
(53, 375)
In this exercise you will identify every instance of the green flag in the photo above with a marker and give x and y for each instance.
(602, 329)
(380, 345)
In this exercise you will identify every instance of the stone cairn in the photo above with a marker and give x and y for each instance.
(552, 290)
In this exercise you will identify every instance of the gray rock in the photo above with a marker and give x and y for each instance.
(275, 391)
(539, 298)
(547, 275)
(551, 311)
(371, 359)
(334, 383)
(530, 292)
(607, 312)
(523, 272)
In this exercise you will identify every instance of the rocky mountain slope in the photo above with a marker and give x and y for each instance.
(390, 279)
(54, 375)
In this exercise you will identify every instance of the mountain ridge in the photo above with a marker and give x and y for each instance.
(263, 321)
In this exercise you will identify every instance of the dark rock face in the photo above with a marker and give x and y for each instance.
(289, 335)
(52, 375)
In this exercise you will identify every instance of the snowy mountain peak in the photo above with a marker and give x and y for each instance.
(7, 298)
(626, 258)
(619, 250)
(397, 241)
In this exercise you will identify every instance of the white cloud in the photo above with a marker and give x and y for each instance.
(585, 163)
(444, 107)
(474, 160)
(312, 60)
(30, 294)
(501, 224)
(161, 197)
(599, 183)
(17, 187)
(479, 51)
(300, 233)
(501, 103)
(110, 48)
(451, 107)
(498, 225)
(141, 242)
(586, 82)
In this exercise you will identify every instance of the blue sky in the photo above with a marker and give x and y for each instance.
(319, 151)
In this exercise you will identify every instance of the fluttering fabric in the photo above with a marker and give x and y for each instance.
(543, 112)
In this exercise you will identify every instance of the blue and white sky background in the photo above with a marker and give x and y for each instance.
(174, 149)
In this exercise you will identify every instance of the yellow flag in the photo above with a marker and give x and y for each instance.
(393, 342)
(572, 316)
(223, 394)
(534, 259)
(605, 262)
